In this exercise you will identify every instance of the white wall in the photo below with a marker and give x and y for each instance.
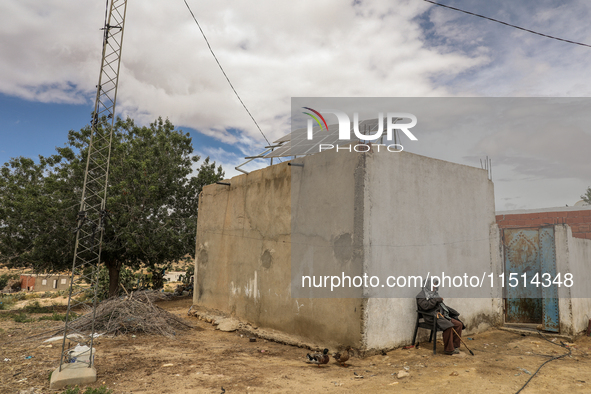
(573, 255)
(426, 215)
(580, 258)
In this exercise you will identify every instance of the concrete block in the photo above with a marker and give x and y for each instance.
(72, 374)
(228, 325)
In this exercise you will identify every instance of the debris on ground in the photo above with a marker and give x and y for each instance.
(228, 324)
(525, 370)
(135, 313)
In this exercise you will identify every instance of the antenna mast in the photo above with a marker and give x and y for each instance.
(93, 212)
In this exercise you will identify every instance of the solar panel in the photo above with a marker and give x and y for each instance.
(297, 143)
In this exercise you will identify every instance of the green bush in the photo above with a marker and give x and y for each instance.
(35, 307)
(186, 278)
(4, 278)
(131, 281)
(21, 295)
(21, 318)
(30, 296)
(6, 303)
(89, 390)
(59, 317)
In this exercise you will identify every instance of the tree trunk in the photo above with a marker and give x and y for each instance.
(114, 270)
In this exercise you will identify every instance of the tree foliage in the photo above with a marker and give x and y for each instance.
(152, 199)
(587, 196)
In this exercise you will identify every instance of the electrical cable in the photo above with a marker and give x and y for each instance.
(221, 68)
(508, 24)
(562, 345)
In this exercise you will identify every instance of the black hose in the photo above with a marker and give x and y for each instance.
(562, 344)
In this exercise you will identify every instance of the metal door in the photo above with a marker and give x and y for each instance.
(530, 252)
(550, 293)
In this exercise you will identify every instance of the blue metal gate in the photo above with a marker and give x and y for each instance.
(530, 252)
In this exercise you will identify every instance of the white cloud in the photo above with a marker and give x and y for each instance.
(271, 50)
(521, 63)
(275, 50)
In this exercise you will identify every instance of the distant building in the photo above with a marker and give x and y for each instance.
(577, 217)
(39, 282)
(173, 276)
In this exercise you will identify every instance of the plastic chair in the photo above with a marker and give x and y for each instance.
(422, 324)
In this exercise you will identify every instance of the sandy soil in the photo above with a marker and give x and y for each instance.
(204, 360)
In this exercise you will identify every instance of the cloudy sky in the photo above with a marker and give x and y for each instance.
(275, 50)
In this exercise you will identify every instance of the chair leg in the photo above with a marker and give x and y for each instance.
(435, 344)
(414, 337)
(434, 333)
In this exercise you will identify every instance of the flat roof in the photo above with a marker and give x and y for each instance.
(556, 209)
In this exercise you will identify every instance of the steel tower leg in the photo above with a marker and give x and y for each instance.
(93, 213)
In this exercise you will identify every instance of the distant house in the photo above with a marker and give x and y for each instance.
(577, 217)
(39, 282)
(173, 276)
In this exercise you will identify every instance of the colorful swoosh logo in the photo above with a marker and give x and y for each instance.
(315, 118)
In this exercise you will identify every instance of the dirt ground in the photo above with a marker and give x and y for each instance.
(203, 360)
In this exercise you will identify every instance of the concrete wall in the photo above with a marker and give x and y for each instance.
(573, 255)
(580, 253)
(243, 261)
(342, 211)
(425, 215)
(49, 279)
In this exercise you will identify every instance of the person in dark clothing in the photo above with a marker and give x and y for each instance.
(428, 300)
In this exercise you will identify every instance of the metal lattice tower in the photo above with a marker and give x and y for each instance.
(93, 213)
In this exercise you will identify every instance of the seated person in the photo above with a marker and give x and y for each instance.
(428, 300)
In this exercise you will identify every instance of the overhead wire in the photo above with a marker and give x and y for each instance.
(225, 75)
(508, 24)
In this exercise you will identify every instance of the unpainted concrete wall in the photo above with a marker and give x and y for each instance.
(48, 286)
(243, 260)
(344, 210)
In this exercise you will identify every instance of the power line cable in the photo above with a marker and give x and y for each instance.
(508, 24)
(562, 344)
(221, 68)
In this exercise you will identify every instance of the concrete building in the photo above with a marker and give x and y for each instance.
(40, 282)
(173, 276)
(578, 218)
(357, 212)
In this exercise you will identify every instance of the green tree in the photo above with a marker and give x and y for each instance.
(587, 196)
(152, 199)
